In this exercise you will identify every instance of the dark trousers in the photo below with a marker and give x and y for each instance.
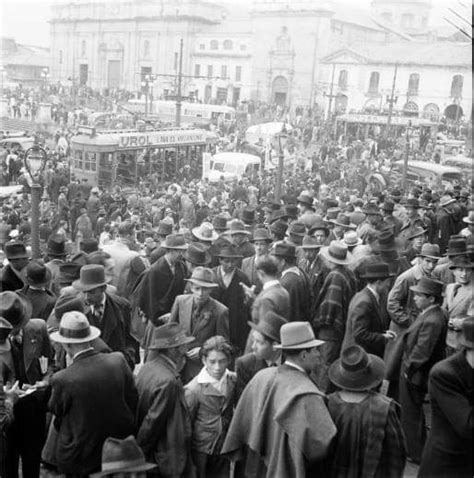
(211, 466)
(412, 418)
(25, 438)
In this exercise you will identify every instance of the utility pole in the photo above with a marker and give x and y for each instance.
(180, 80)
(391, 102)
(407, 154)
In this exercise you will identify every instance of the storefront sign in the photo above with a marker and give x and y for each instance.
(160, 138)
(378, 119)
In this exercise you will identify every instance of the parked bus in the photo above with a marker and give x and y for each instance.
(435, 175)
(125, 157)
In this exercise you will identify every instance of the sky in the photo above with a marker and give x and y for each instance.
(27, 20)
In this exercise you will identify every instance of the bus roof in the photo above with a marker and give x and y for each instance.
(236, 157)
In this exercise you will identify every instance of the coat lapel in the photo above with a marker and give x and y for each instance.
(206, 314)
(109, 321)
(30, 345)
(185, 312)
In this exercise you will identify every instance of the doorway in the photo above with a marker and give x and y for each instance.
(280, 90)
(113, 76)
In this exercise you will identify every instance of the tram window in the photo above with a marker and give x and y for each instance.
(78, 159)
(90, 162)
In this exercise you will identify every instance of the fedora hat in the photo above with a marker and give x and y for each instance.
(123, 456)
(175, 241)
(220, 223)
(297, 229)
(283, 249)
(331, 214)
(37, 274)
(238, 227)
(351, 239)
(413, 203)
(356, 370)
(469, 219)
(385, 241)
(417, 231)
(229, 251)
(428, 286)
(291, 210)
(91, 277)
(319, 225)
(336, 253)
(74, 328)
(205, 232)
(371, 209)
(197, 254)
(68, 303)
(297, 336)
(248, 216)
(388, 205)
(310, 242)
(15, 308)
(278, 215)
(168, 336)
(377, 270)
(15, 250)
(89, 245)
(68, 273)
(165, 228)
(260, 234)
(269, 325)
(279, 227)
(445, 200)
(461, 261)
(457, 246)
(56, 246)
(305, 199)
(466, 338)
(430, 250)
(203, 277)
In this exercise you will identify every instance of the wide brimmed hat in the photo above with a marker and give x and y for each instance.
(457, 246)
(248, 216)
(356, 370)
(269, 325)
(377, 270)
(297, 229)
(175, 241)
(238, 227)
(466, 338)
(461, 261)
(297, 336)
(305, 199)
(68, 303)
(428, 286)
(37, 274)
(165, 228)
(371, 209)
(15, 308)
(261, 234)
(385, 241)
(291, 210)
(168, 336)
(283, 249)
(430, 250)
(351, 239)
(336, 253)
(91, 277)
(68, 273)
(278, 215)
(203, 277)
(15, 250)
(469, 219)
(332, 214)
(74, 328)
(417, 231)
(197, 254)
(56, 246)
(446, 200)
(279, 228)
(123, 456)
(319, 225)
(310, 242)
(89, 245)
(205, 232)
(413, 203)
(229, 251)
(220, 223)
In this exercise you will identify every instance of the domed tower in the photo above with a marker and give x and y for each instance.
(409, 16)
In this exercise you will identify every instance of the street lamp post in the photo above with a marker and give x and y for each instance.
(282, 140)
(44, 76)
(407, 152)
(147, 83)
(35, 162)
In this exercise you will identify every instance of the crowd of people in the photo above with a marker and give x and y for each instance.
(200, 329)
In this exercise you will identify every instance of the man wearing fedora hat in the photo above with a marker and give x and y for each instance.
(281, 426)
(32, 361)
(164, 424)
(264, 336)
(240, 239)
(37, 289)
(469, 221)
(412, 220)
(55, 254)
(457, 247)
(200, 316)
(448, 449)
(12, 276)
(94, 398)
(388, 219)
(424, 345)
(362, 416)
(261, 240)
(367, 318)
(110, 313)
(448, 221)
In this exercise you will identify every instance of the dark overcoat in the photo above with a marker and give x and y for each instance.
(245, 368)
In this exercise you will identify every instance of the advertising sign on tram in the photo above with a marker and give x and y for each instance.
(153, 138)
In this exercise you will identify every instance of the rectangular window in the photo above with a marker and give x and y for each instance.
(210, 71)
(223, 71)
(238, 73)
(78, 159)
(90, 162)
(197, 70)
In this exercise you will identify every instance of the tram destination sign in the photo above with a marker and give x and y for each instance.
(160, 138)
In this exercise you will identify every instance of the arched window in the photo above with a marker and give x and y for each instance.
(214, 45)
(374, 82)
(146, 48)
(343, 76)
(83, 48)
(456, 86)
(228, 45)
(413, 84)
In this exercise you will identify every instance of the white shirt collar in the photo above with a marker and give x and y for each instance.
(270, 283)
(204, 377)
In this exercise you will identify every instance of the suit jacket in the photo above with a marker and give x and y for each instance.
(425, 343)
(249, 269)
(275, 298)
(43, 301)
(246, 367)
(164, 425)
(94, 398)
(9, 280)
(448, 450)
(115, 328)
(367, 320)
(296, 282)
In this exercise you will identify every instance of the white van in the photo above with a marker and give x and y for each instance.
(231, 166)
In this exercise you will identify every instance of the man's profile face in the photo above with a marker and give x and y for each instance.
(261, 346)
